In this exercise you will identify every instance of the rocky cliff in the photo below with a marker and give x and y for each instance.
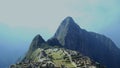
(94, 45)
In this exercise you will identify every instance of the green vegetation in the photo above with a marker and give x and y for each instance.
(55, 57)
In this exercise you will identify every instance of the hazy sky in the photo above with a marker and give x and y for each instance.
(21, 20)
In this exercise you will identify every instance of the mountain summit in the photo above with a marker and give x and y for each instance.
(68, 20)
(36, 42)
(96, 46)
(68, 26)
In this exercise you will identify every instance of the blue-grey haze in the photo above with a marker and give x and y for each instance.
(21, 20)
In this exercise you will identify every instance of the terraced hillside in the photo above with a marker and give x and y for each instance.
(56, 58)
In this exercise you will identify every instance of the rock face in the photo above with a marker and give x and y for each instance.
(67, 26)
(37, 42)
(96, 46)
(53, 42)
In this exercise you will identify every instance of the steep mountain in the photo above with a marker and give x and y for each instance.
(36, 42)
(96, 46)
(71, 47)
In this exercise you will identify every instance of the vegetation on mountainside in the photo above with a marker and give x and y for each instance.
(55, 57)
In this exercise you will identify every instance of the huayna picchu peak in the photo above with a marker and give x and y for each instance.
(66, 27)
(68, 20)
(71, 47)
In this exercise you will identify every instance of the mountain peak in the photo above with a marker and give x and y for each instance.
(68, 20)
(68, 26)
(38, 37)
(37, 42)
(94, 45)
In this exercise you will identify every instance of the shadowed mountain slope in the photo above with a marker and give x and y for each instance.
(96, 46)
